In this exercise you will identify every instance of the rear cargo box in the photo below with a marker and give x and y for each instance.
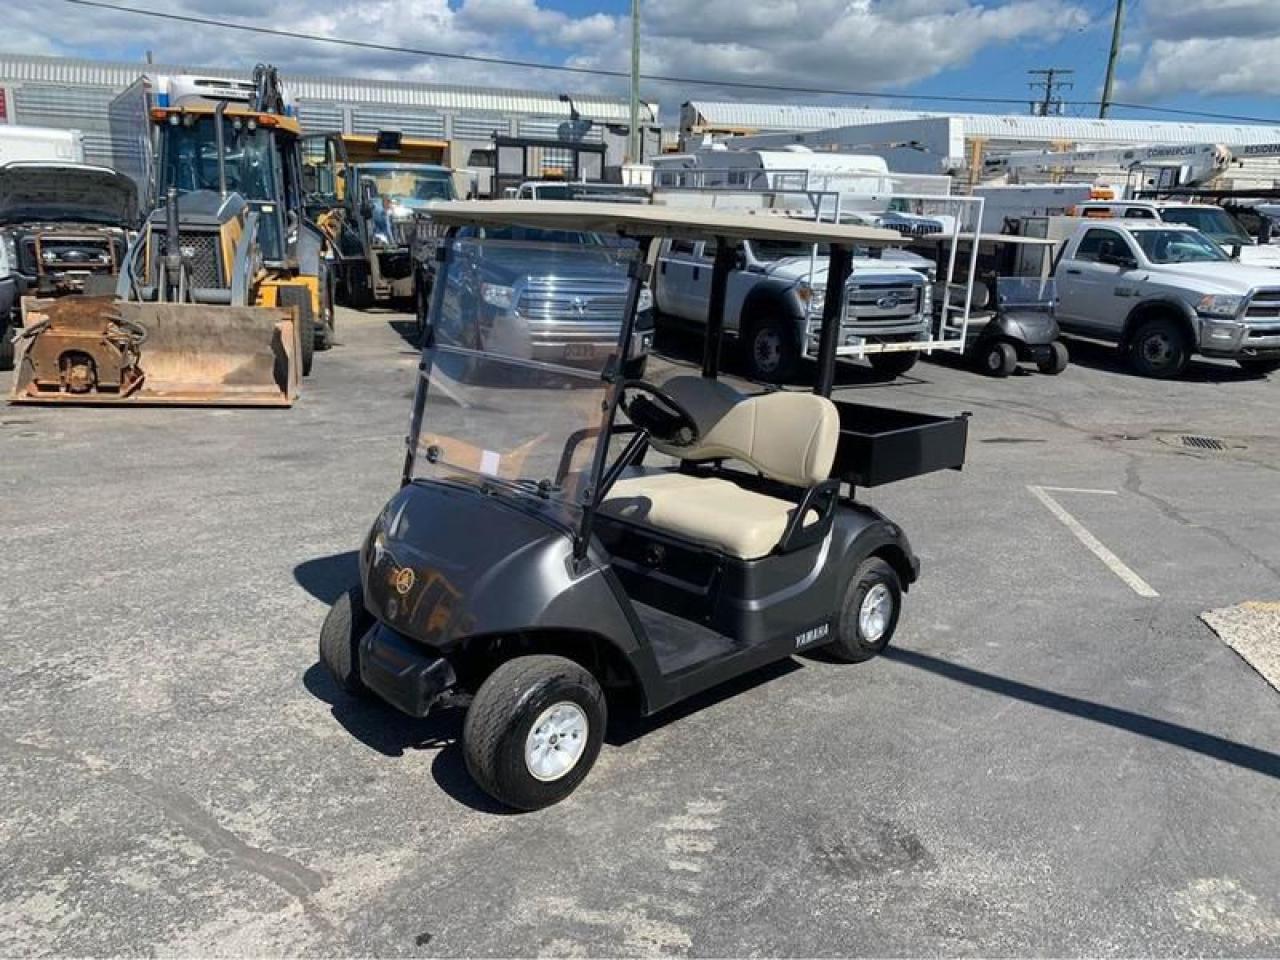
(879, 445)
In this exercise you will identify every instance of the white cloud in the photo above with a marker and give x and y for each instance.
(1211, 47)
(847, 44)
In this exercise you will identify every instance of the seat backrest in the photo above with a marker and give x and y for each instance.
(788, 437)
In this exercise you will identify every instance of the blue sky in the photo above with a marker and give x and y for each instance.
(1210, 55)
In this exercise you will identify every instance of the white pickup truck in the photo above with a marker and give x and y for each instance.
(775, 298)
(1164, 292)
(1214, 222)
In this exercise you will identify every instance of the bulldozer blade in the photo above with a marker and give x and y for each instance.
(96, 350)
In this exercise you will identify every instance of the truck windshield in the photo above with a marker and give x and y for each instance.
(189, 158)
(1214, 223)
(409, 186)
(1178, 246)
(766, 251)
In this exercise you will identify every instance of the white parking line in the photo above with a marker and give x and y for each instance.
(1096, 547)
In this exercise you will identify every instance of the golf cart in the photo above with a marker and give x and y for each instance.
(562, 533)
(1011, 318)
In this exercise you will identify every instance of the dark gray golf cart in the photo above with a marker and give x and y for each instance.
(564, 537)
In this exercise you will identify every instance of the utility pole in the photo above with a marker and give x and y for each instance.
(1107, 84)
(634, 143)
(1049, 105)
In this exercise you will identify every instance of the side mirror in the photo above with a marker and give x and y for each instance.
(1234, 250)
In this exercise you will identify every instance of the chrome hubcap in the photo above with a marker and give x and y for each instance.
(556, 741)
(875, 613)
(1158, 349)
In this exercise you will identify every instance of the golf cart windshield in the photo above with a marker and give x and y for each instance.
(1027, 293)
(514, 399)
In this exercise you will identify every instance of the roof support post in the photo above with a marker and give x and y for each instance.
(839, 266)
(726, 260)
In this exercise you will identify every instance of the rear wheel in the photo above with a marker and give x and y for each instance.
(869, 615)
(340, 640)
(534, 730)
(1057, 360)
(1259, 365)
(893, 364)
(1159, 349)
(999, 359)
(770, 351)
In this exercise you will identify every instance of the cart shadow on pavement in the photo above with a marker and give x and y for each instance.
(393, 734)
(1175, 734)
(408, 331)
(327, 578)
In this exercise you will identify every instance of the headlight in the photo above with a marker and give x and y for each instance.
(496, 295)
(813, 298)
(645, 301)
(1220, 305)
(926, 300)
(8, 254)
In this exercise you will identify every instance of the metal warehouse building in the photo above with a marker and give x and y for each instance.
(68, 93)
(915, 141)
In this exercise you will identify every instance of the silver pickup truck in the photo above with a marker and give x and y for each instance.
(775, 300)
(1164, 292)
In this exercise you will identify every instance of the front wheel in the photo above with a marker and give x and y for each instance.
(999, 359)
(1159, 349)
(1057, 360)
(869, 615)
(340, 640)
(893, 364)
(534, 730)
(771, 353)
(1259, 366)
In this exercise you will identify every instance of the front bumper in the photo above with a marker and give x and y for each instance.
(1230, 339)
(566, 342)
(403, 673)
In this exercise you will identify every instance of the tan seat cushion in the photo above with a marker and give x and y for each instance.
(788, 437)
(709, 510)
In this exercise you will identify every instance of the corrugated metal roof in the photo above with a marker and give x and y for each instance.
(119, 74)
(801, 118)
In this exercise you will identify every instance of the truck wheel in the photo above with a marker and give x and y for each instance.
(533, 730)
(999, 359)
(340, 640)
(1256, 365)
(1057, 360)
(893, 364)
(299, 297)
(1159, 349)
(6, 345)
(359, 289)
(770, 352)
(869, 614)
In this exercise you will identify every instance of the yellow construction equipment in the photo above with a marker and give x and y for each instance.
(224, 295)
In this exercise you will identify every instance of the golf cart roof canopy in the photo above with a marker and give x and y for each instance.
(637, 220)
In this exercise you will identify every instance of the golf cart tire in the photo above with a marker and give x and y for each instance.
(1000, 359)
(893, 364)
(502, 715)
(340, 640)
(1180, 348)
(1057, 360)
(788, 350)
(1258, 366)
(849, 645)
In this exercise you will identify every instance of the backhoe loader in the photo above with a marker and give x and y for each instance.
(224, 295)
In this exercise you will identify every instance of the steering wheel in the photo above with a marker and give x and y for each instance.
(659, 414)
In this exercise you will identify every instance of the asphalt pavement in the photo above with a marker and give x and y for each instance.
(1058, 757)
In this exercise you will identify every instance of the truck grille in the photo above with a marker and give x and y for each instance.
(883, 304)
(200, 250)
(577, 310)
(1265, 305)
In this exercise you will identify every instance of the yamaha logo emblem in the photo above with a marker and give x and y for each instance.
(403, 580)
(889, 301)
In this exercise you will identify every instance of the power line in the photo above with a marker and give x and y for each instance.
(618, 74)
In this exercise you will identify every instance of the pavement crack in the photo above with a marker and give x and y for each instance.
(1133, 484)
(294, 878)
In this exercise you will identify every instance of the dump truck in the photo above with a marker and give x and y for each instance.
(224, 295)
